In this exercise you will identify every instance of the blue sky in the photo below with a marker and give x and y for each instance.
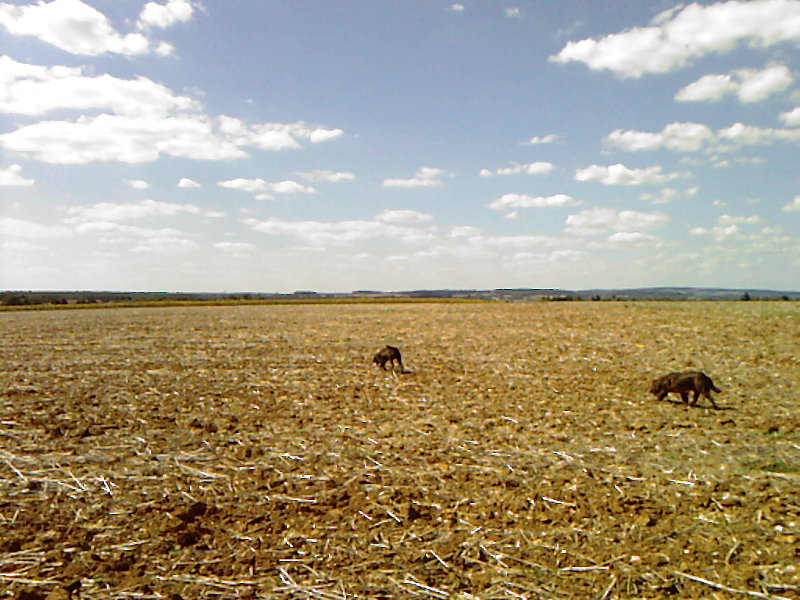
(268, 145)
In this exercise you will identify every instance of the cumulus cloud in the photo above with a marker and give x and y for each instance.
(403, 216)
(109, 212)
(619, 174)
(72, 26)
(137, 184)
(263, 188)
(749, 85)
(747, 135)
(37, 90)
(708, 88)
(327, 175)
(167, 245)
(341, 232)
(424, 177)
(690, 31)
(534, 168)
(508, 201)
(235, 247)
(683, 137)
(600, 221)
(667, 195)
(631, 238)
(719, 232)
(12, 177)
(694, 137)
(20, 228)
(131, 139)
(187, 183)
(793, 206)
(121, 138)
(726, 220)
(274, 136)
(164, 15)
(142, 120)
(791, 118)
(544, 139)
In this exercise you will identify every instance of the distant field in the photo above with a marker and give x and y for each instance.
(255, 452)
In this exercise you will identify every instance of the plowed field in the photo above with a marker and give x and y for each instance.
(256, 452)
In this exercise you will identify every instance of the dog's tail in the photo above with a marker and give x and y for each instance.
(715, 389)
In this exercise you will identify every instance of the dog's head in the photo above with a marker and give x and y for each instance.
(658, 386)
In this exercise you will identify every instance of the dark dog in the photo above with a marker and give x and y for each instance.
(389, 354)
(683, 383)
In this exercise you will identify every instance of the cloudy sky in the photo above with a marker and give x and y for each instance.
(266, 145)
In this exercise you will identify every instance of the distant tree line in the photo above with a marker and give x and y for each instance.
(31, 298)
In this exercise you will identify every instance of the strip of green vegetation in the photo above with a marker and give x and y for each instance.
(238, 302)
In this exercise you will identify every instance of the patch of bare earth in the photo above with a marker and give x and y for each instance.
(256, 452)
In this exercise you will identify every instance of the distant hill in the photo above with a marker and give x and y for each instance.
(22, 298)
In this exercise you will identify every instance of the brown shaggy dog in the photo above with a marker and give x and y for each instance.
(684, 382)
(389, 354)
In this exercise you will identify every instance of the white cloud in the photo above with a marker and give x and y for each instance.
(690, 31)
(341, 232)
(110, 212)
(793, 206)
(791, 118)
(12, 227)
(403, 216)
(631, 238)
(708, 88)
(758, 85)
(264, 187)
(164, 245)
(12, 177)
(165, 15)
(619, 174)
(148, 120)
(727, 220)
(235, 247)
(544, 139)
(750, 85)
(273, 136)
(534, 168)
(599, 221)
(745, 135)
(327, 175)
(693, 137)
(164, 240)
(128, 139)
(185, 182)
(457, 8)
(728, 227)
(121, 138)
(667, 195)
(507, 201)
(165, 49)
(137, 184)
(512, 13)
(72, 26)
(424, 177)
(719, 233)
(683, 137)
(36, 90)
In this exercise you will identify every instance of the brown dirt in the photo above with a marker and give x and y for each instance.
(256, 452)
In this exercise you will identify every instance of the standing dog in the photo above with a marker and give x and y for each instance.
(684, 382)
(389, 354)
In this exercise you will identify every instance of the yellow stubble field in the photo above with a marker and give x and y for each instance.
(255, 451)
